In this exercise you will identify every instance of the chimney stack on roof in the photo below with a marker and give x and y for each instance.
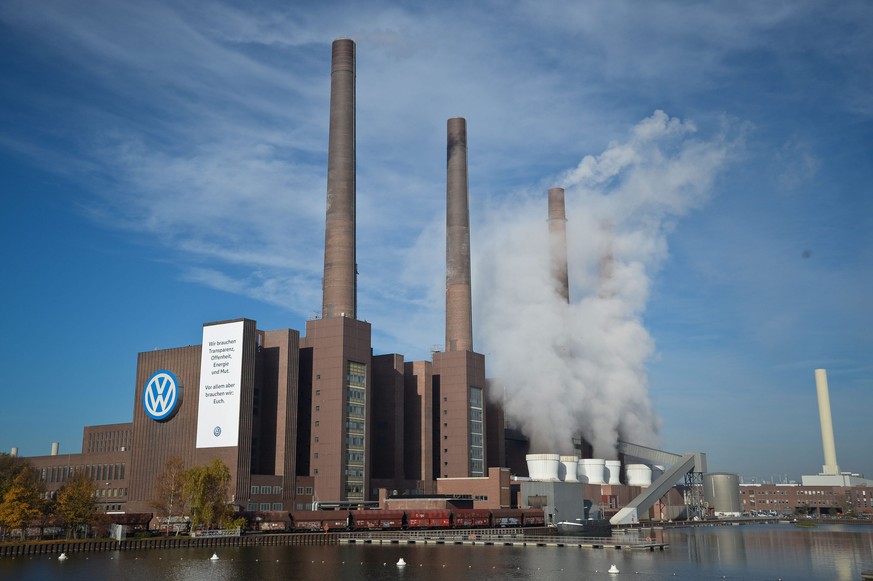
(459, 301)
(340, 269)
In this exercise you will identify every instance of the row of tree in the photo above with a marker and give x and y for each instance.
(197, 495)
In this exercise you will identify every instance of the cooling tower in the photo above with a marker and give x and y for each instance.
(339, 292)
(543, 467)
(591, 470)
(827, 426)
(459, 300)
(558, 242)
(569, 468)
(613, 472)
(638, 475)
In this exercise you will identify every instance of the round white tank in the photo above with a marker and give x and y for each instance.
(568, 471)
(593, 470)
(638, 475)
(613, 472)
(543, 467)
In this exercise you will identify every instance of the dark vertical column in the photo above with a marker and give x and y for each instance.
(459, 302)
(340, 285)
(558, 242)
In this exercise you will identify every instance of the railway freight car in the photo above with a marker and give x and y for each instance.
(465, 518)
(506, 517)
(321, 520)
(377, 520)
(429, 519)
(533, 517)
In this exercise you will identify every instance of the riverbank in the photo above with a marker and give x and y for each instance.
(92, 545)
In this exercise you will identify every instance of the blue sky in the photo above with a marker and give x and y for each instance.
(164, 165)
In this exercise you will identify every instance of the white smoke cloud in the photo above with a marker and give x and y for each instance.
(581, 368)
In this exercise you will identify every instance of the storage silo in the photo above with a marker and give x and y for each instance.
(543, 467)
(613, 472)
(721, 491)
(591, 470)
(638, 475)
(568, 470)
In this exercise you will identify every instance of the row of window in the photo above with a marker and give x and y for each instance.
(96, 472)
(266, 489)
(264, 506)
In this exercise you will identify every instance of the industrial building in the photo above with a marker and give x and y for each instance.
(318, 417)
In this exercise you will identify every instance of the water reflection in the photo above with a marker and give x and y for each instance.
(745, 552)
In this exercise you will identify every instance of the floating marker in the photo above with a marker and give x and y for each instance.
(62, 557)
(401, 562)
(214, 557)
(613, 570)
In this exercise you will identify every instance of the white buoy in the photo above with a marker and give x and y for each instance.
(613, 570)
(401, 562)
(214, 557)
(62, 557)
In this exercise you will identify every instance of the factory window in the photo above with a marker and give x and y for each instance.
(445, 412)
(445, 450)
(300, 490)
(252, 506)
(308, 490)
(277, 490)
(317, 423)
(315, 471)
(265, 490)
(254, 490)
(476, 432)
(316, 455)
(445, 437)
(318, 408)
(265, 506)
(317, 392)
(316, 439)
(277, 506)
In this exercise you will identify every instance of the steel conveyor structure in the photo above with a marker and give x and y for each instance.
(691, 464)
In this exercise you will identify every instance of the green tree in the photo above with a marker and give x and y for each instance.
(169, 495)
(21, 503)
(75, 503)
(206, 489)
(10, 467)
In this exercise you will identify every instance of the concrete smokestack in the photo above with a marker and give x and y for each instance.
(56, 447)
(14, 453)
(340, 272)
(459, 300)
(827, 427)
(558, 242)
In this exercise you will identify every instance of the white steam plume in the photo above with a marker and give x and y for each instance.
(580, 368)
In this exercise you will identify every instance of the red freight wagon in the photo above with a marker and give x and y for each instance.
(472, 517)
(506, 517)
(376, 520)
(533, 517)
(320, 520)
(428, 519)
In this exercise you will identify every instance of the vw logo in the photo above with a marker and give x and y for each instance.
(161, 396)
(217, 431)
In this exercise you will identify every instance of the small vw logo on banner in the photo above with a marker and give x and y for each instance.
(161, 396)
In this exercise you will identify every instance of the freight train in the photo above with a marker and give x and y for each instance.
(395, 520)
